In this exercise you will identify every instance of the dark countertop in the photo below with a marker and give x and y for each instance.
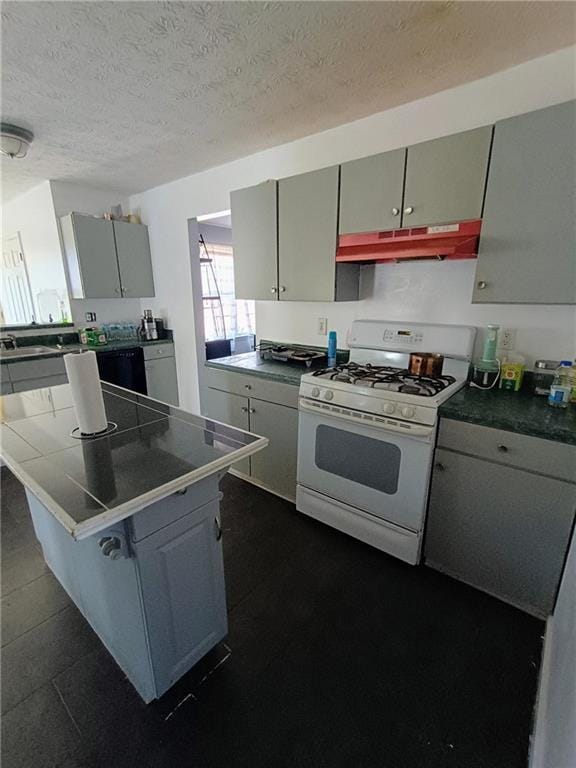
(66, 348)
(90, 484)
(251, 364)
(519, 412)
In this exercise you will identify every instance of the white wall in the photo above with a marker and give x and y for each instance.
(554, 741)
(71, 197)
(532, 85)
(32, 214)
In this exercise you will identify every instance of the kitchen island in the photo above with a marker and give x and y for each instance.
(129, 522)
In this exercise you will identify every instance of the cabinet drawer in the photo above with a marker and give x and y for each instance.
(44, 381)
(254, 387)
(166, 511)
(36, 369)
(530, 453)
(158, 350)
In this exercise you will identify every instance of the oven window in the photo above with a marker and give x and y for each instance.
(370, 462)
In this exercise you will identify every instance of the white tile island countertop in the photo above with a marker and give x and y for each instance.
(129, 523)
(88, 484)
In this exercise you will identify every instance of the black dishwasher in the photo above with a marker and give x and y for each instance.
(124, 367)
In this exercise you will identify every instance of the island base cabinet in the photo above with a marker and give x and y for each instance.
(182, 576)
(157, 604)
(498, 528)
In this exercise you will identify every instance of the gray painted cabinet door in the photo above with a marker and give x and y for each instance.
(229, 409)
(307, 232)
(501, 529)
(371, 192)
(96, 254)
(528, 242)
(254, 238)
(276, 465)
(183, 594)
(162, 379)
(446, 178)
(134, 259)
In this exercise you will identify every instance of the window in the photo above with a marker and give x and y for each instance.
(224, 316)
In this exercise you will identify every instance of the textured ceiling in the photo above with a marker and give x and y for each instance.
(133, 94)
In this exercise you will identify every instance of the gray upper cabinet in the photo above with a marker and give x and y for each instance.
(91, 255)
(134, 259)
(527, 247)
(307, 232)
(446, 178)
(255, 237)
(102, 256)
(371, 193)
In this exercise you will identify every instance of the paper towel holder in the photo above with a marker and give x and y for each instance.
(77, 435)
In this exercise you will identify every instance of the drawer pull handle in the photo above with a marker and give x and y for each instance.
(247, 386)
(482, 284)
(181, 492)
(503, 448)
(440, 467)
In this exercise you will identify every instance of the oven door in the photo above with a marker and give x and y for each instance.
(375, 468)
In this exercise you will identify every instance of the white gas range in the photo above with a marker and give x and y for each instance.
(367, 431)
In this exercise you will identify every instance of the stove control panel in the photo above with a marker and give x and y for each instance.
(403, 336)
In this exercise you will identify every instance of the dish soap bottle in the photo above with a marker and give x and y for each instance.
(559, 396)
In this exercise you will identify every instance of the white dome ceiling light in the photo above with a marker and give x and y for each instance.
(14, 141)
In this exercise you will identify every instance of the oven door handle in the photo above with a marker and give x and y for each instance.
(374, 422)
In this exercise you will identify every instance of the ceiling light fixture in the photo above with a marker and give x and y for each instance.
(14, 141)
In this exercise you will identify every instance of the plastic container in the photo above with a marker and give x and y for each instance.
(572, 382)
(560, 388)
(332, 349)
(543, 376)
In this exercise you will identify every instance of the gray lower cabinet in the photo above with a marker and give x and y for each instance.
(446, 178)
(34, 374)
(162, 379)
(6, 387)
(134, 259)
(371, 192)
(266, 408)
(275, 467)
(105, 259)
(500, 528)
(229, 409)
(307, 235)
(527, 248)
(255, 233)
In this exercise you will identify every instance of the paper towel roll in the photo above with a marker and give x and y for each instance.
(84, 378)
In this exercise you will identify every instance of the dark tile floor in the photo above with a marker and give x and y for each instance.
(337, 655)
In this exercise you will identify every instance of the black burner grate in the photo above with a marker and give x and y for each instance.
(387, 378)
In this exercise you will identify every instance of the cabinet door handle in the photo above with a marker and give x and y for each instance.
(181, 492)
(217, 529)
(408, 210)
(247, 386)
(116, 290)
(282, 289)
(482, 284)
(244, 409)
(503, 448)
(395, 211)
(440, 467)
(273, 290)
(251, 410)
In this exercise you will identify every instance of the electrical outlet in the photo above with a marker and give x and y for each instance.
(507, 338)
(90, 317)
(322, 326)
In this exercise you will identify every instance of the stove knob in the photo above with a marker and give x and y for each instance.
(389, 408)
(408, 412)
(315, 392)
(329, 395)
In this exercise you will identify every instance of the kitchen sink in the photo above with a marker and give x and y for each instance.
(26, 351)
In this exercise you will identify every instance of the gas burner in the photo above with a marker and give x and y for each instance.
(386, 378)
(298, 355)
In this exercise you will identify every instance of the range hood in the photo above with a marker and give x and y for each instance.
(444, 241)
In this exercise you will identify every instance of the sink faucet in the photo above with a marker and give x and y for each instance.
(8, 341)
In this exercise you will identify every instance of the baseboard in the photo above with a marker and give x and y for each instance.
(538, 736)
